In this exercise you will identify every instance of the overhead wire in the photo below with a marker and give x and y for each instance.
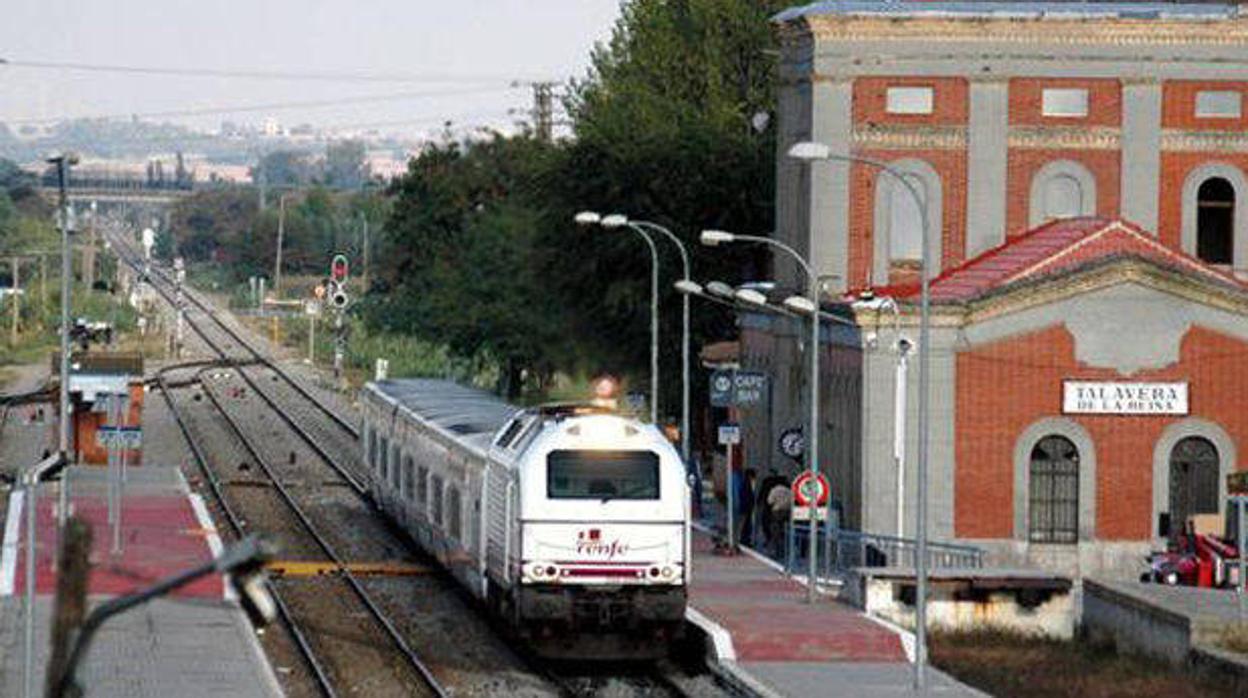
(318, 76)
(273, 106)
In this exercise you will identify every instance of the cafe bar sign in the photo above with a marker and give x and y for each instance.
(1097, 397)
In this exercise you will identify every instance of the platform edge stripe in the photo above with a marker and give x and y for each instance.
(12, 533)
(214, 539)
(905, 636)
(720, 638)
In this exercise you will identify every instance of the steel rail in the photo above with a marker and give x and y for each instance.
(413, 660)
(132, 259)
(214, 483)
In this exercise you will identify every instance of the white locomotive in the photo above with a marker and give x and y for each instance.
(570, 522)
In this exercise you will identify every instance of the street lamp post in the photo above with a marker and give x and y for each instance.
(809, 152)
(715, 237)
(616, 220)
(63, 162)
(591, 218)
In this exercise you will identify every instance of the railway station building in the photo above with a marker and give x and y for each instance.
(1084, 168)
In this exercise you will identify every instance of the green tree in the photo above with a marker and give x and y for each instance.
(669, 126)
(459, 261)
(285, 168)
(345, 163)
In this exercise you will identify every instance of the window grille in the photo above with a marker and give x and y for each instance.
(1054, 491)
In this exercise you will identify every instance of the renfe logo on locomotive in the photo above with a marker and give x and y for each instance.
(590, 542)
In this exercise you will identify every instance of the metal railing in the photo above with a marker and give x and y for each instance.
(844, 550)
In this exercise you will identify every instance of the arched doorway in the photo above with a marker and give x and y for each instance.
(1053, 493)
(1215, 221)
(1193, 480)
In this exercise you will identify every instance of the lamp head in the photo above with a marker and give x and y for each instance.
(749, 295)
(809, 151)
(720, 289)
(587, 218)
(687, 287)
(615, 220)
(799, 304)
(711, 238)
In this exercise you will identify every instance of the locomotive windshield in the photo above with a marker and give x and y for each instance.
(603, 475)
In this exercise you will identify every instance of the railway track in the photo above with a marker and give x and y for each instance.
(319, 509)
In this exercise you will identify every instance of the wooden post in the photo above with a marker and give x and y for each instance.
(71, 598)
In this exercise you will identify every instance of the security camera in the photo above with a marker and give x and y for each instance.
(870, 340)
(904, 345)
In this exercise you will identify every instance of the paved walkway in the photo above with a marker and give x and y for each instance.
(768, 636)
(194, 642)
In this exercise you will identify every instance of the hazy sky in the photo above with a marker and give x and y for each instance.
(486, 42)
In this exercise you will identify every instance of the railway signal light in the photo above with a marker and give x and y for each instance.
(338, 268)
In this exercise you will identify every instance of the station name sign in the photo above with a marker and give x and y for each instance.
(1096, 397)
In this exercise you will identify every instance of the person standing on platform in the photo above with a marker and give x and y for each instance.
(779, 504)
(745, 507)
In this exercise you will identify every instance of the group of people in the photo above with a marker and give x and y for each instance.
(770, 502)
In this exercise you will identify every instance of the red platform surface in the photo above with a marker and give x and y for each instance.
(768, 617)
(160, 534)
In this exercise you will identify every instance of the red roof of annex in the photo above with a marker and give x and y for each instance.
(1052, 248)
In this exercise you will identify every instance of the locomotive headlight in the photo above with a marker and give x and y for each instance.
(668, 572)
(537, 570)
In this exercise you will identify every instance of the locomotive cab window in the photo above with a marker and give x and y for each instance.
(602, 475)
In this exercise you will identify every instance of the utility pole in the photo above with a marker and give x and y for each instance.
(16, 300)
(43, 287)
(364, 275)
(544, 110)
(88, 252)
(71, 598)
(281, 228)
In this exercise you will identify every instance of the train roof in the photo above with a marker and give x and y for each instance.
(456, 408)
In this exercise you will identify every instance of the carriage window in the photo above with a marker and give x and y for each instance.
(372, 447)
(602, 475)
(422, 487)
(453, 525)
(437, 500)
(384, 449)
(409, 468)
(393, 471)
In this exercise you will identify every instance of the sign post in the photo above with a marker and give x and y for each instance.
(730, 436)
(810, 502)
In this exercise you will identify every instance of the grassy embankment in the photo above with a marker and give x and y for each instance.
(1009, 664)
(40, 320)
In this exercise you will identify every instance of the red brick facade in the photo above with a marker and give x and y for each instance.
(1024, 163)
(1004, 387)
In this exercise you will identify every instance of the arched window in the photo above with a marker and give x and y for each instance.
(1061, 189)
(1215, 221)
(1063, 197)
(1053, 493)
(905, 222)
(1193, 480)
(898, 219)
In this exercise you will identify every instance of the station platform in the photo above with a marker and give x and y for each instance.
(195, 641)
(767, 637)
